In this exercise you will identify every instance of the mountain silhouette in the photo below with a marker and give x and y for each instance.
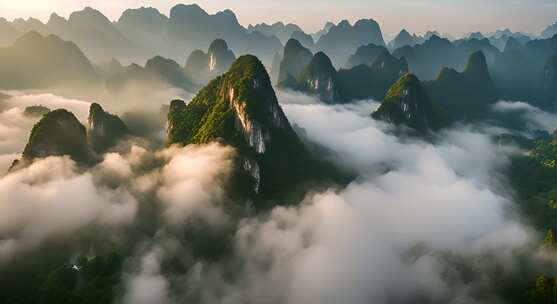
(104, 129)
(467, 95)
(282, 31)
(342, 40)
(240, 109)
(201, 67)
(365, 55)
(407, 103)
(58, 133)
(37, 61)
(295, 59)
(321, 79)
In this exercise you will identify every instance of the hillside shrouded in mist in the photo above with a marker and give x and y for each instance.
(185, 157)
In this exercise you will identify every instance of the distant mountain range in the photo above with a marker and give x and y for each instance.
(36, 61)
(282, 31)
(519, 72)
(142, 33)
(370, 76)
(340, 63)
(427, 59)
(465, 95)
(404, 38)
(41, 62)
(550, 31)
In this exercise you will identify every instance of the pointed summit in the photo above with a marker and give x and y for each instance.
(407, 103)
(320, 78)
(240, 109)
(402, 39)
(56, 20)
(203, 67)
(476, 68)
(220, 57)
(105, 129)
(467, 95)
(245, 88)
(404, 34)
(296, 57)
(328, 25)
(58, 133)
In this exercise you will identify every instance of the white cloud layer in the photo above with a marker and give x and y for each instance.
(51, 199)
(192, 182)
(385, 238)
(535, 118)
(379, 239)
(389, 237)
(148, 286)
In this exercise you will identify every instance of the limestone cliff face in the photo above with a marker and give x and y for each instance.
(58, 133)
(173, 114)
(105, 129)
(202, 67)
(240, 109)
(321, 78)
(296, 57)
(220, 57)
(246, 93)
(407, 103)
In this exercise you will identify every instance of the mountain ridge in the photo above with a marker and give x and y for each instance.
(240, 108)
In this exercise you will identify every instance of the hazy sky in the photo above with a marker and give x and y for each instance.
(453, 16)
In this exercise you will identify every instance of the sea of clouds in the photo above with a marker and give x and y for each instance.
(396, 234)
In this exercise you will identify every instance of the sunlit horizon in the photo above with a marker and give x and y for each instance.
(448, 16)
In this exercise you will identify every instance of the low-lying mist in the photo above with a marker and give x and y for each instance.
(389, 237)
(142, 107)
(423, 222)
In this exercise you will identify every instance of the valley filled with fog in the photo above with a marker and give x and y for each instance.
(191, 159)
